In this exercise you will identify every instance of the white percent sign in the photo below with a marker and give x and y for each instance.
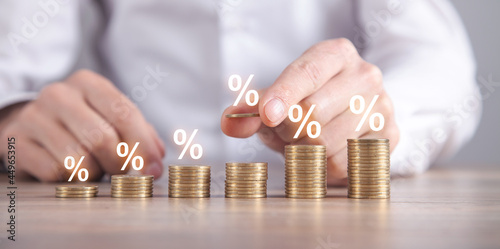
(299, 117)
(137, 161)
(70, 163)
(356, 110)
(242, 89)
(180, 139)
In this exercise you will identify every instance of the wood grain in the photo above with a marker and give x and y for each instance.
(443, 208)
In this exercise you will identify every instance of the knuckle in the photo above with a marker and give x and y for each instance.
(83, 73)
(310, 71)
(90, 78)
(344, 44)
(373, 74)
(345, 47)
(57, 92)
(341, 46)
(323, 46)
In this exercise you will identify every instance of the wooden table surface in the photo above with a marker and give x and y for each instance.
(443, 208)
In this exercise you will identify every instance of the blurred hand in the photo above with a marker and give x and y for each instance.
(83, 116)
(327, 75)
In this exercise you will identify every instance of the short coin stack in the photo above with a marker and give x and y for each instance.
(132, 186)
(305, 171)
(76, 191)
(188, 181)
(246, 180)
(368, 168)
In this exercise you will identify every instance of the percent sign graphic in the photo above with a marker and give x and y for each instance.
(70, 163)
(137, 161)
(242, 89)
(356, 110)
(180, 139)
(299, 117)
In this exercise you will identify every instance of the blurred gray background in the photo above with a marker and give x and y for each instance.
(482, 21)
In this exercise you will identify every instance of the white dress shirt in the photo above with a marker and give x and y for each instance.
(173, 59)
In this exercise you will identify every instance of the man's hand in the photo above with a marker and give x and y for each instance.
(327, 75)
(83, 116)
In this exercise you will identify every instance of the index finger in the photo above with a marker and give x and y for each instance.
(303, 77)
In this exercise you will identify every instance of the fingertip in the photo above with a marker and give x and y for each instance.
(155, 169)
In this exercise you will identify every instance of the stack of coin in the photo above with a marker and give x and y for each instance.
(76, 191)
(246, 180)
(368, 168)
(125, 186)
(188, 181)
(305, 171)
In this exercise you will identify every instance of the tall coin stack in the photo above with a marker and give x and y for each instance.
(368, 168)
(76, 191)
(188, 181)
(305, 171)
(132, 186)
(246, 180)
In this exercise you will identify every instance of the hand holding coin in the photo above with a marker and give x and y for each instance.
(327, 75)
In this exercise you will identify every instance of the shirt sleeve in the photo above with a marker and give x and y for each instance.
(38, 45)
(429, 72)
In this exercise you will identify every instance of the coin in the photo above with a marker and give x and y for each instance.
(246, 195)
(132, 186)
(305, 171)
(369, 197)
(131, 195)
(242, 115)
(306, 196)
(189, 181)
(76, 191)
(368, 168)
(246, 180)
(75, 195)
(189, 195)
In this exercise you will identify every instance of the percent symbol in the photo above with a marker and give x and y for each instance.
(180, 139)
(243, 90)
(299, 117)
(70, 163)
(137, 161)
(373, 116)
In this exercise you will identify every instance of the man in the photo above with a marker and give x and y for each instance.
(163, 65)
